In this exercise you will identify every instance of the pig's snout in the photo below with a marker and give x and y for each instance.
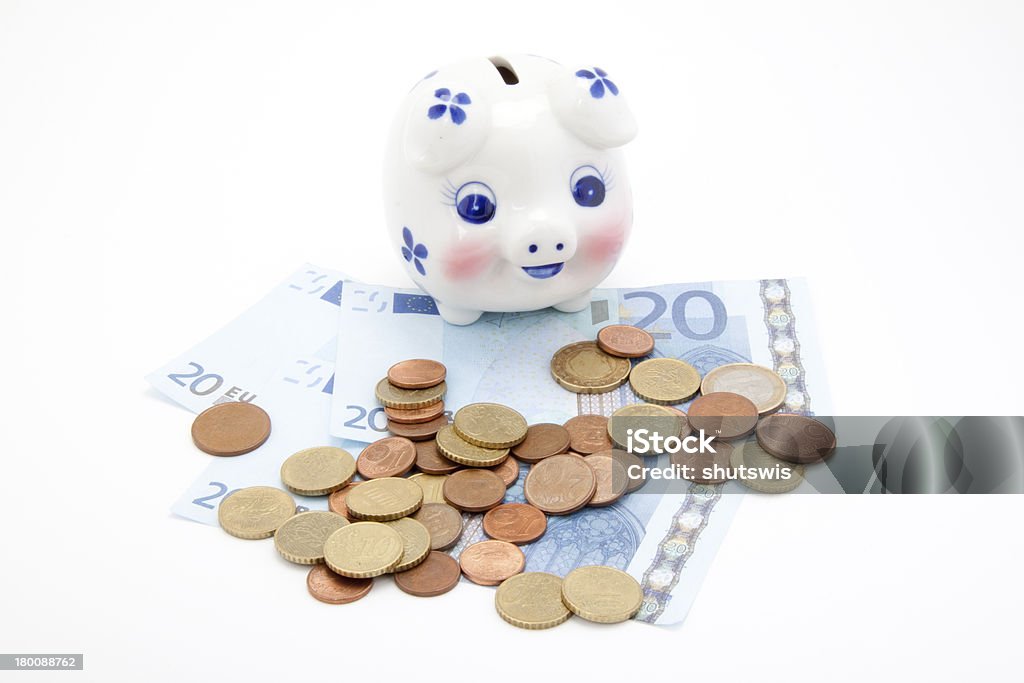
(540, 246)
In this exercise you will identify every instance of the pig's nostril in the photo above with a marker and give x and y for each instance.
(533, 248)
(559, 246)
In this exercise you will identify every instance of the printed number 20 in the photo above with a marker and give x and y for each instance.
(202, 384)
(720, 317)
(370, 418)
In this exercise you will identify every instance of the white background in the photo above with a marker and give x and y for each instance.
(162, 165)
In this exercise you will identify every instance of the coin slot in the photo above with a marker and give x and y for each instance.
(505, 70)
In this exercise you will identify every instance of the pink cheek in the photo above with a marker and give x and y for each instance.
(605, 244)
(467, 259)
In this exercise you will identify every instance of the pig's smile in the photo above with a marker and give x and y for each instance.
(544, 272)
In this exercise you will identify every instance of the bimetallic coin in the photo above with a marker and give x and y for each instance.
(707, 467)
(456, 449)
(418, 373)
(489, 425)
(560, 484)
(588, 433)
(391, 396)
(723, 415)
(436, 575)
(420, 431)
(318, 471)
(392, 456)
(230, 428)
(508, 471)
(664, 380)
(381, 500)
(761, 385)
(532, 601)
(301, 538)
(432, 484)
(415, 415)
(488, 563)
(796, 438)
(611, 479)
(415, 542)
(443, 522)
(429, 460)
(335, 589)
(625, 341)
(336, 501)
(542, 441)
(660, 421)
(764, 472)
(601, 594)
(474, 490)
(584, 368)
(363, 550)
(255, 512)
(515, 523)
(633, 465)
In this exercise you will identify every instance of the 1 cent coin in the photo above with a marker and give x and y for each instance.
(436, 575)
(515, 523)
(335, 589)
(723, 415)
(231, 428)
(588, 433)
(796, 438)
(488, 563)
(508, 471)
(560, 484)
(418, 373)
(392, 456)
(443, 522)
(474, 490)
(414, 415)
(430, 461)
(625, 341)
(542, 441)
(420, 431)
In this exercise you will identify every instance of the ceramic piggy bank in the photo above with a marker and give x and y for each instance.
(505, 185)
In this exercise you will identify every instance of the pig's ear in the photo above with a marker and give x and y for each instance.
(445, 125)
(588, 102)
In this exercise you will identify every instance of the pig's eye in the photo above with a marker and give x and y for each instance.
(587, 186)
(475, 203)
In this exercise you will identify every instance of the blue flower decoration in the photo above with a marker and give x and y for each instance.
(601, 81)
(417, 253)
(451, 105)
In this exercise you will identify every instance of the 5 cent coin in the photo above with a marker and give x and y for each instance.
(418, 373)
(437, 574)
(392, 456)
(335, 589)
(231, 428)
(474, 490)
(515, 523)
(443, 522)
(488, 563)
(625, 341)
(542, 441)
(560, 484)
(724, 415)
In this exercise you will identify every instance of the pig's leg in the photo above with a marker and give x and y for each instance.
(575, 304)
(457, 316)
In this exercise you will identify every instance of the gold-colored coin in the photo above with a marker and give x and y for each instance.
(664, 380)
(384, 499)
(585, 369)
(363, 550)
(660, 420)
(415, 542)
(602, 594)
(407, 399)
(490, 425)
(301, 538)
(255, 512)
(432, 484)
(318, 471)
(532, 601)
(767, 468)
(455, 448)
(761, 385)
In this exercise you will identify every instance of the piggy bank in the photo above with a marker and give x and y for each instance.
(505, 186)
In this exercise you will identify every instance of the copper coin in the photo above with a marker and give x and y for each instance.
(560, 484)
(491, 562)
(474, 490)
(418, 373)
(723, 414)
(335, 589)
(795, 438)
(437, 574)
(705, 468)
(336, 501)
(231, 428)
(542, 441)
(632, 463)
(508, 471)
(420, 431)
(412, 416)
(588, 433)
(625, 341)
(515, 523)
(430, 460)
(612, 481)
(391, 456)
(443, 522)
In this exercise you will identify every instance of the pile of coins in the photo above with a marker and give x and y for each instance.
(400, 522)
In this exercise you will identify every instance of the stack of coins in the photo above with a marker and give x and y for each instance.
(413, 398)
